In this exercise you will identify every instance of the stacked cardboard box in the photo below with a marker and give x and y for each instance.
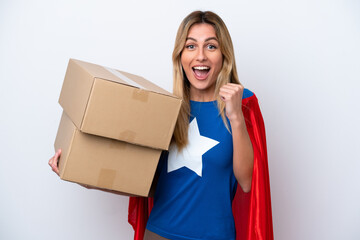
(113, 128)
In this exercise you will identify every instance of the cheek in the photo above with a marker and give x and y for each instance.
(184, 60)
(185, 63)
(218, 61)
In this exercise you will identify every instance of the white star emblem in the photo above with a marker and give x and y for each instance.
(191, 155)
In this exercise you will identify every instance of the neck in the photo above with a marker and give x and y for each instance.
(202, 96)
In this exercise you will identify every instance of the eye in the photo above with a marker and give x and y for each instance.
(190, 46)
(211, 46)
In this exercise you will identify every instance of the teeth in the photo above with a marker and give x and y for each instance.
(201, 68)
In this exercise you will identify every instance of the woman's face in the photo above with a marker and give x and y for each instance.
(202, 60)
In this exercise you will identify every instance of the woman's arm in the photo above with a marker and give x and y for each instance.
(243, 155)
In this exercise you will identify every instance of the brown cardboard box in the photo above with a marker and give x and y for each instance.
(118, 105)
(103, 162)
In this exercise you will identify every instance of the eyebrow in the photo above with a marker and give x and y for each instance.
(206, 40)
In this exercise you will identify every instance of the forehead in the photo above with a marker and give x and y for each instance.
(201, 31)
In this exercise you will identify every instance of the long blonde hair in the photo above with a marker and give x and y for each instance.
(181, 85)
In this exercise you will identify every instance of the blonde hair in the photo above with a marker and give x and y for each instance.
(181, 85)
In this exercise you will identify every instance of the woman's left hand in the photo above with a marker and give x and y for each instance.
(231, 94)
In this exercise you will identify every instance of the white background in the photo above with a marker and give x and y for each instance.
(301, 58)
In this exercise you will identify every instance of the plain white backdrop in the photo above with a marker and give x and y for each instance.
(301, 58)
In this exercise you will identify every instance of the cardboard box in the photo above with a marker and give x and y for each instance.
(118, 105)
(105, 163)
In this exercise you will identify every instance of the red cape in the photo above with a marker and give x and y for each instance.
(252, 211)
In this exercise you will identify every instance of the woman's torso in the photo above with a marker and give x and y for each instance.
(196, 186)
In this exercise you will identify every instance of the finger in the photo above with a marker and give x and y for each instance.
(58, 156)
(229, 94)
(56, 170)
(54, 162)
(228, 90)
(51, 160)
(235, 92)
(56, 159)
(233, 87)
(224, 91)
(225, 96)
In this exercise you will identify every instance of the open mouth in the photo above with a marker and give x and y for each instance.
(201, 72)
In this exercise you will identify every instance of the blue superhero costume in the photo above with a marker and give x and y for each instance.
(251, 211)
(196, 186)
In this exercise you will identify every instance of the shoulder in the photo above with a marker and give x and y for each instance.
(247, 93)
(249, 98)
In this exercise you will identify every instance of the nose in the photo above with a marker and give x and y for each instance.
(201, 55)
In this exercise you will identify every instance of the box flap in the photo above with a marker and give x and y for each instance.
(75, 91)
(121, 77)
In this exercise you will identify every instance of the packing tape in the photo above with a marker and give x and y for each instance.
(106, 178)
(123, 77)
(128, 136)
(140, 95)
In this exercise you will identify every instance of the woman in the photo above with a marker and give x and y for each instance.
(212, 156)
(218, 152)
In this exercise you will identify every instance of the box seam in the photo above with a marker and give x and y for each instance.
(87, 103)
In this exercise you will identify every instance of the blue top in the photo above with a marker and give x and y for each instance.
(196, 186)
(247, 93)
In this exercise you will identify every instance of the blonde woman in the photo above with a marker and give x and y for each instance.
(218, 150)
(213, 182)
